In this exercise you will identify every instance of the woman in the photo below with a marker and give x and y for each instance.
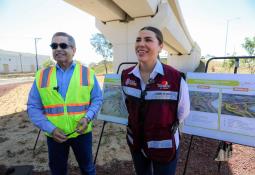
(157, 100)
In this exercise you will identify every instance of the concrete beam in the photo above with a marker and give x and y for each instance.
(174, 4)
(186, 63)
(138, 8)
(174, 35)
(104, 10)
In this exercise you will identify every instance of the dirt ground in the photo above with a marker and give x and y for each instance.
(17, 138)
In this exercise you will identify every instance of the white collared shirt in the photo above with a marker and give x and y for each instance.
(184, 102)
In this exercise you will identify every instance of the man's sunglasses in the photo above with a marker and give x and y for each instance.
(61, 45)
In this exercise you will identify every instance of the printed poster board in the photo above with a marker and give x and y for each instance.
(113, 108)
(222, 107)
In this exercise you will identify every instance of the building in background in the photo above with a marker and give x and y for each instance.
(18, 62)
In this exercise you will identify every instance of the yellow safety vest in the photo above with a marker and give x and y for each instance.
(65, 114)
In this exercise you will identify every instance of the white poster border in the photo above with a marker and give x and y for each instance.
(235, 84)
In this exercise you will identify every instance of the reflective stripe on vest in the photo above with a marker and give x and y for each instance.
(160, 144)
(151, 95)
(54, 110)
(46, 73)
(58, 110)
(84, 81)
(130, 139)
(45, 77)
(161, 95)
(132, 91)
(77, 108)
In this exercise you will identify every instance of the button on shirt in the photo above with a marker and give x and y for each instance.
(184, 102)
(35, 107)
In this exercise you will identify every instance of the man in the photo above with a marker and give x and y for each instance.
(62, 102)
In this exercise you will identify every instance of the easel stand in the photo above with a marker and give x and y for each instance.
(188, 153)
(101, 134)
(39, 132)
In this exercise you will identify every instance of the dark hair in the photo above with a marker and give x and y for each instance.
(70, 38)
(157, 32)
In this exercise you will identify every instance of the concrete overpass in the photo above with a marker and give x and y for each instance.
(120, 21)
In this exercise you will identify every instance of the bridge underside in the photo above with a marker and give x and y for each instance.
(121, 20)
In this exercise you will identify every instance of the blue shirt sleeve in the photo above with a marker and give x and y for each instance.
(35, 111)
(96, 100)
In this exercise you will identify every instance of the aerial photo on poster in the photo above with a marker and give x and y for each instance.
(239, 105)
(204, 101)
(222, 107)
(113, 108)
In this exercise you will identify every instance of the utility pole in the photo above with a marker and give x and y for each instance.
(226, 41)
(21, 67)
(36, 39)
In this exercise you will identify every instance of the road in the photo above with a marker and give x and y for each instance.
(5, 81)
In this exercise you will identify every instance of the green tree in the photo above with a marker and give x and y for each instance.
(49, 62)
(102, 46)
(229, 63)
(249, 46)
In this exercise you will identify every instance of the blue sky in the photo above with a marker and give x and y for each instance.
(207, 23)
(22, 21)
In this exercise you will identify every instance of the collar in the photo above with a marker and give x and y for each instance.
(158, 69)
(70, 67)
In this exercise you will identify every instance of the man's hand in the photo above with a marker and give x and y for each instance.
(59, 136)
(82, 125)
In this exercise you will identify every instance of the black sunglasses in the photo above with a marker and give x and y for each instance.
(61, 45)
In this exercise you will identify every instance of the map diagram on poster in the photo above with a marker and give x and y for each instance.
(222, 107)
(113, 107)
